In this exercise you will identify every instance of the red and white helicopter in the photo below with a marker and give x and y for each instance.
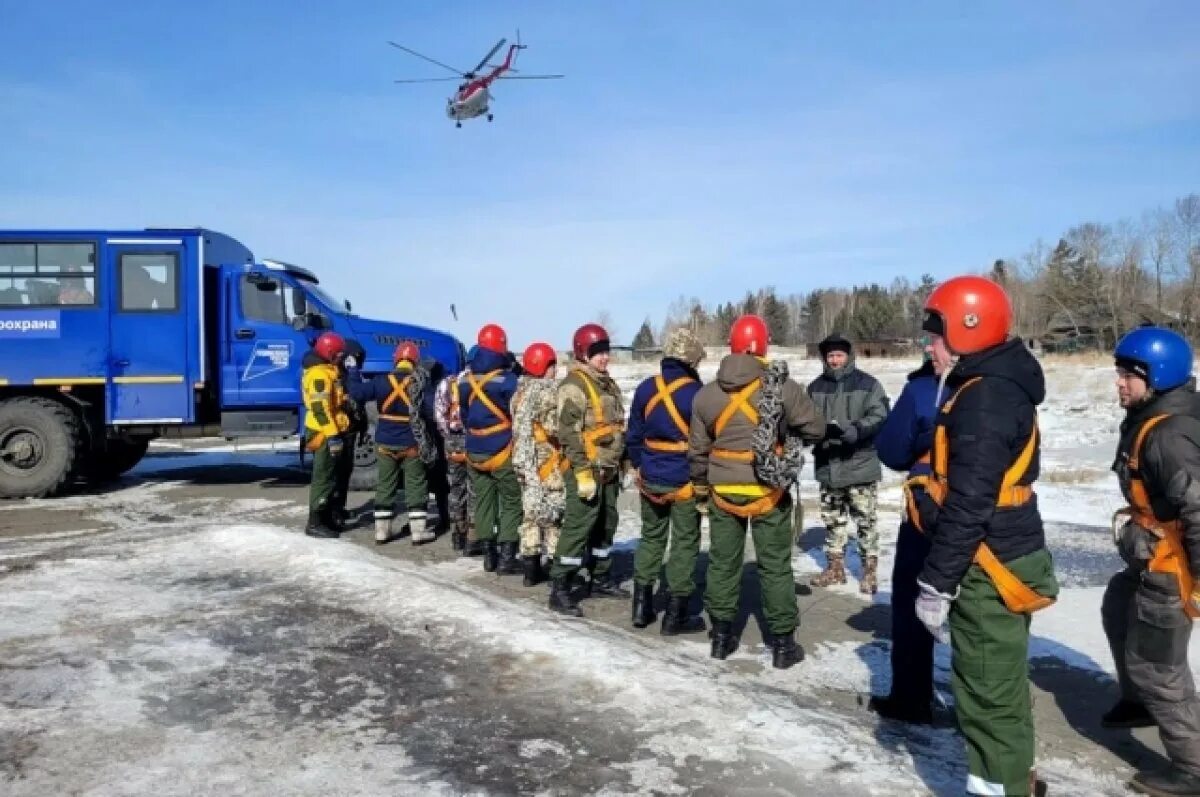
(473, 97)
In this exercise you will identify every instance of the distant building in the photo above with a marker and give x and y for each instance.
(881, 347)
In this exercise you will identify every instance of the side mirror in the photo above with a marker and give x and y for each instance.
(299, 301)
(299, 323)
(348, 307)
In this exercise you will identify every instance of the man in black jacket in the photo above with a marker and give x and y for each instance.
(1149, 606)
(988, 568)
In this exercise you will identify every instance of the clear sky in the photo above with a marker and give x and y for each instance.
(699, 148)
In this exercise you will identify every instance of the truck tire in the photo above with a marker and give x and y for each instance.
(118, 457)
(39, 438)
(366, 474)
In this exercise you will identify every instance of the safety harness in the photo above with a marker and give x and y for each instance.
(768, 497)
(603, 428)
(500, 458)
(556, 461)
(1169, 554)
(399, 393)
(665, 395)
(1018, 597)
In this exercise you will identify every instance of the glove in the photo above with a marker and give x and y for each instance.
(1134, 543)
(850, 435)
(933, 609)
(833, 430)
(585, 484)
(335, 445)
(351, 361)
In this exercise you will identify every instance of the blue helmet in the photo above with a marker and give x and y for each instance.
(1162, 357)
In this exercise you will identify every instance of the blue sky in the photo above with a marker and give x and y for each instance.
(703, 148)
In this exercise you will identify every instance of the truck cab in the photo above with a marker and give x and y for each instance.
(109, 339)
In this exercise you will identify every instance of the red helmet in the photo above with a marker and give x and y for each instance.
(329, 345)
(749, 335)
(539, 358)
(407, 351)
(493, 338)
(971, 313)
(589, 340)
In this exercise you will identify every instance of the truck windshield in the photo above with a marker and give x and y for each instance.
(322, 296)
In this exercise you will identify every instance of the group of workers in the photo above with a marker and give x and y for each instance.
(547, 458)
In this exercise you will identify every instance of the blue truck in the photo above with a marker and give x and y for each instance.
(112, 338)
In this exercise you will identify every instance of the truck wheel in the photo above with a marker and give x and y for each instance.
(118, 457)
(38, 441)
(365, 475)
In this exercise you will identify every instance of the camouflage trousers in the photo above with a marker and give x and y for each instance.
(840, 505)
(542, 521)
(462, 494)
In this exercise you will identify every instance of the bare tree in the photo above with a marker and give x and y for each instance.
(605, 319)
(1160, 248)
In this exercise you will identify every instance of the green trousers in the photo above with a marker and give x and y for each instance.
(991, 677)
(416, 483)
(497, 504)
(678, 521)
(323, 480)
(772, 534)
(343, 468)
(588, 529)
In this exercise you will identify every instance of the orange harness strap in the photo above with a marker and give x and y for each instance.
(603, 428)
(495, 462)
(738, 402)
(399, 392)
(477, 393)
(397, 453)
(685, 493)
(555, 461)
(753, 509)
(665, 396)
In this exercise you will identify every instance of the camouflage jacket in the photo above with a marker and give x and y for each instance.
(445, 412)
(579, 428)
(536, 402)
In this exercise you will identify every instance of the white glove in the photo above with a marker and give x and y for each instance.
(351, 361)
(933, 609)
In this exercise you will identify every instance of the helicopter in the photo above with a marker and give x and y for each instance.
(473, 97)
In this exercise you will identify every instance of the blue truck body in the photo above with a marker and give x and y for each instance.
(161, 332)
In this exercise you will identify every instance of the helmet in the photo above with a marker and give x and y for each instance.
(589, 340)
(539, 358)
(1162, 357)
(971, 313)
(493, 338)
(329, 345)
(407, 351)
(749, 335)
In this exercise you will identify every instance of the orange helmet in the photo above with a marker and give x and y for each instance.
(329, 345)
(589, 340)
(539, 358)
(493, 338)
(970, 313)
(407, 351)
(749, 335)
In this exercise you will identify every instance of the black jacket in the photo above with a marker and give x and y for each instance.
(1170, 461)
(987, 429)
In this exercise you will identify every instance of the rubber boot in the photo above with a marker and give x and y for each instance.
(643, 605)
(785, 652)
(676, 619)
(533, 571)
(419, 531)
(560, 597)
(606, 587)
(458, 537)
(834, 572)
(508, 563)
(890, 707)
(318, 526)
(474, 547)
(491, 556)
(1127, 714)
(383, 529)
(1037, 788)
(724, 642)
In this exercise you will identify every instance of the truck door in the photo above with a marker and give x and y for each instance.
(152, 339)
(266, 348)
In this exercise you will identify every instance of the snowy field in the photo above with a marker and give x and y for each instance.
(176, 635)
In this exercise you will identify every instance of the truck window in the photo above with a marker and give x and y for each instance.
(150, 282)
(270, 301)
(47, 274)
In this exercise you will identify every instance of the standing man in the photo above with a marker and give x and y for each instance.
(1149, 607)
(738, 425)
(658, 447)
(360, 424)
(904, 442)
(461, 503)
(591, 428)
(325, 424)
(854, 407)
(538, 459)
(404, 444)
(486, 390)
(988, 568)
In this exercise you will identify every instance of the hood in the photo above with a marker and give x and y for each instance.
(1011, 361)
(673, 369)
(738, 370)
(486, 360)
(380, 339)
(1183, 400)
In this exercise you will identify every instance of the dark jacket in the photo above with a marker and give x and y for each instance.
(1170, 461)
(475, 414)
(852, 398)
(668, 469)
(735, 372)
(388, 432)
(987, 429)
(907, 434)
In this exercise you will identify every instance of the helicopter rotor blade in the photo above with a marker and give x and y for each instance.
(488, 57)
(529, 77)
(429, 80)
(427, 58)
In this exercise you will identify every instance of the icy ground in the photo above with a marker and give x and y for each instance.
(167, 638)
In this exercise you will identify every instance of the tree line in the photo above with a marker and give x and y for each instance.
(1097, 282)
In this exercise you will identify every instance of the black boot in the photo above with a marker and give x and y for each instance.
(318, 525)
(508, 563)
(458, 538)
(785, 652)
(560, 597)
(643, 605)
(533, 571)
(1173, 782)
(491, 556)
(473, 547)
(724, 642)
(676, 620)
(1127, 714)
(891, 707)
(606, 587)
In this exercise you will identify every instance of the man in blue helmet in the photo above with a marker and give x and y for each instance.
(1148, 608)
